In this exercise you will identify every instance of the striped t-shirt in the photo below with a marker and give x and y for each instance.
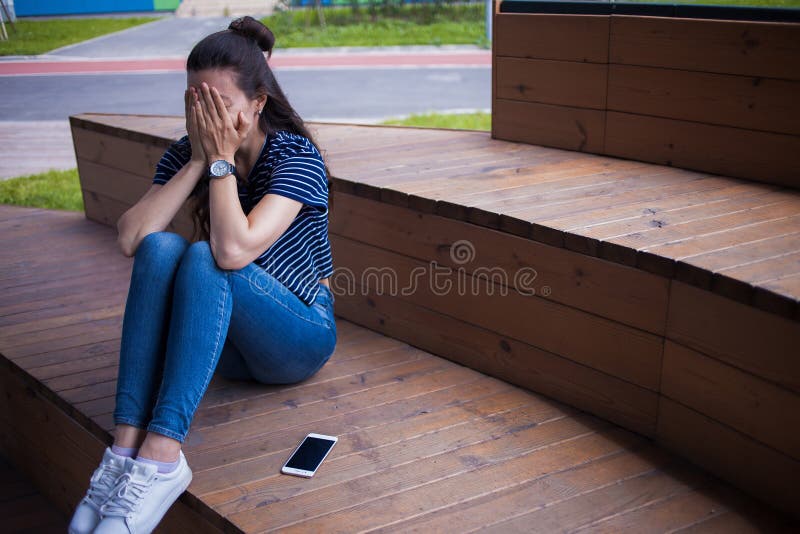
(289, 165)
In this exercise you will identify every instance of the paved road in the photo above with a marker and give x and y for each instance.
(369, 94)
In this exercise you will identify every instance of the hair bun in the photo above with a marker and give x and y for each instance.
(255, 30)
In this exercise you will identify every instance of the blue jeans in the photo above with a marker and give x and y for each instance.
(186, 318)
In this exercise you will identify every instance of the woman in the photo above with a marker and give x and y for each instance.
(250, 299)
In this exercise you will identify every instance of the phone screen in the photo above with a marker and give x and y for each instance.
(310, 454)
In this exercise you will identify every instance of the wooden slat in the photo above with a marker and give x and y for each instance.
(566, 83)
(768, 49)
(571, 128)
(749, 339)
(703, 147)
(733, 397)
(756, 468)
(582, 38)
(752, 103)
(117, 152)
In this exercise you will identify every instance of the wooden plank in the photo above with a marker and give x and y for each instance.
(602, 344)
(750, 339)
(586, 283)
(107, 211)
(506, 358)
(681, 510)
(392, 436)
(113, 151)
(695, 220)
(566, 127)
(469, 514)
(505, 172)
(112, 183)
(757, 155)
(511, 455)
(733, 397)
(582, 38)
(759, 470)
(564, 83)
(626, 495)
(386, 450)
(765, 49)
(723, 230)
(154, 129)
(704, 264)
(748, 102)
(428, 496)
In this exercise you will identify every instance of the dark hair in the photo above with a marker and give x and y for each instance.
(241, 47)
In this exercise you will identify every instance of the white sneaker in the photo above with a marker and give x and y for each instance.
(103, 480)
(141, 497)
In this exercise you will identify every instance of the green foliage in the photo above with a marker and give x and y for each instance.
(59, 190)
(40, 36)
(380, 24)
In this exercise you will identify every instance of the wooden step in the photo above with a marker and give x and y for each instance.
(425, 444)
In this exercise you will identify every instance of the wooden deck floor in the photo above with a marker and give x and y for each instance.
(425, 444)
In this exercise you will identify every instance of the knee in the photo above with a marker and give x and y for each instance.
(162, 247)
(199, 253)
(198, 256)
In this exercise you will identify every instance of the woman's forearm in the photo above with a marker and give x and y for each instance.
(154, 211)
(229, 224)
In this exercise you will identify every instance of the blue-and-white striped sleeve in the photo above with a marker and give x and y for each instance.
(175, 157)
(301, 176)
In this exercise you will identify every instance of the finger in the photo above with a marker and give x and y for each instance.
(244, 124)
(219, 105)
(208, 103)
(199, 118)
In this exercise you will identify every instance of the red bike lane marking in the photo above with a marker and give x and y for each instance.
(31, 67)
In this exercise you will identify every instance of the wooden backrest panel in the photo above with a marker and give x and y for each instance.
(653, 84)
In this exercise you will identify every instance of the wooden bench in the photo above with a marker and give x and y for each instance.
(425, 443)
(614, 340)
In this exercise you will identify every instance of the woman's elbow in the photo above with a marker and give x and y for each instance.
(228, 259)
(125, 238)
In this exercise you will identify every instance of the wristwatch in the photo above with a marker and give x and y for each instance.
(221, 168)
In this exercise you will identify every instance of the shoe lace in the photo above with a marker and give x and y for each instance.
(101, 486)
(126, 496)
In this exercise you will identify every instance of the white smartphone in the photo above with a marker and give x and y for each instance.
(307, 457)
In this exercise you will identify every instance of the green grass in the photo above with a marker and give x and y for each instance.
(39, 36)
(424, 24)
(463, 121)
(58, 190)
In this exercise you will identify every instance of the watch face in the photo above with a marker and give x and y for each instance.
(220, 168)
